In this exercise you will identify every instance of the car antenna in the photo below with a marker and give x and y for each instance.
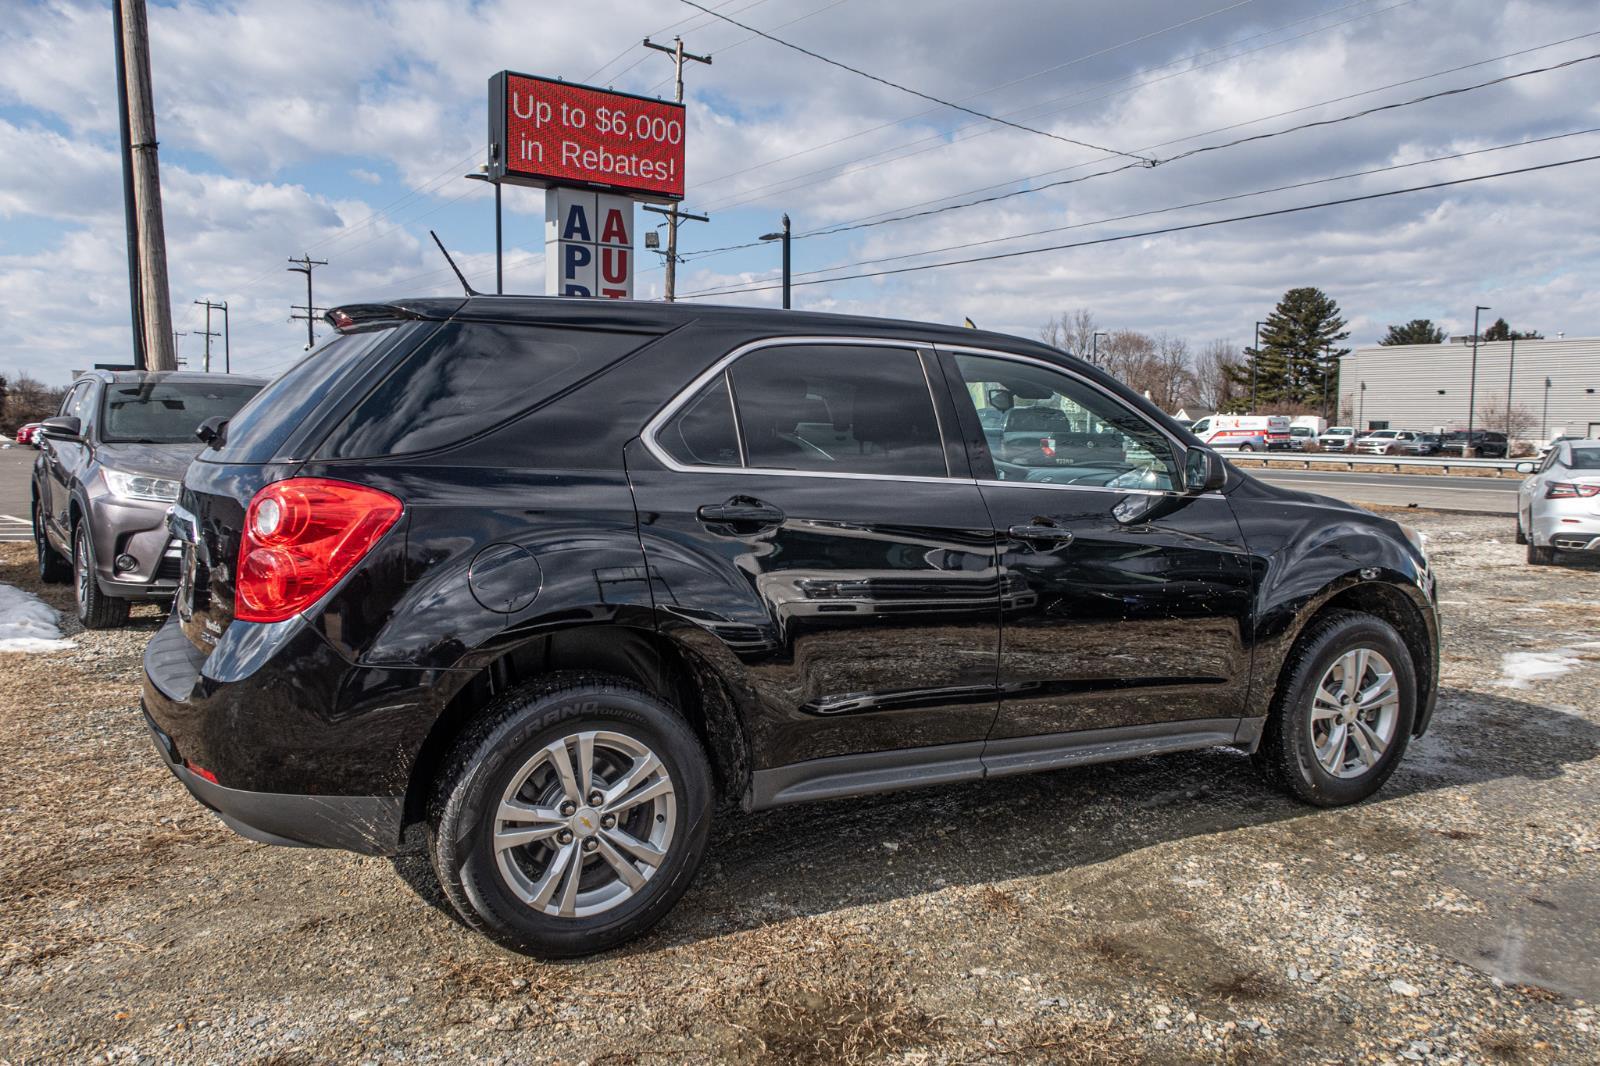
(470, 290)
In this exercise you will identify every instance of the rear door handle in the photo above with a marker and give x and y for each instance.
(1038, 532)
(741, 511)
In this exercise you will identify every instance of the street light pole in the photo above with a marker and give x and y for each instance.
(1095, 345)
(1544, 429)
(1467, 450)
(782, 235)
(1362, 416)
(499, 258)
(1511, 378)
(1327, 357)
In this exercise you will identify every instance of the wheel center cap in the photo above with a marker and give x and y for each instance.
(585, 822)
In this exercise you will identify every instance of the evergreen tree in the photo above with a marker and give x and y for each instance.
(1502, 331)
(1299, 354)
(1417, 331)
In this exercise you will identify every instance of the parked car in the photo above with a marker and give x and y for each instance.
(554, 580)
(1336, 438)
(108, 469)
(1420, 444)
(1301, 436)
(1486, 444)
(25, 434)
(1558, 507)
(1383, 441)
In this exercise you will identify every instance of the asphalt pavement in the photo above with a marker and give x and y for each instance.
(1487, 495)
(15, 463)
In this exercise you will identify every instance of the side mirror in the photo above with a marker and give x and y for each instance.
(61, 427)
(212, 431)
(1203, 471)
(1526, 468)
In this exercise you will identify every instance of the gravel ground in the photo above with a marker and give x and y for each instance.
(1166, 910)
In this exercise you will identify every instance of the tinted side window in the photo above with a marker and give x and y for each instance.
(76, 404)
(1059, 430)
(469, 377)
(702, 433)
(838, 409)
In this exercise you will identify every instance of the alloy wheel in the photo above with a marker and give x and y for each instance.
(584, 823)
(82, 571)
(1353, 713)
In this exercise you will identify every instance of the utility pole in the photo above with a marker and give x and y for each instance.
(1467, 450)
(673, 214)
(130, 214)
(782, 235)
(176, 362)
(1511, 380)
(227, 341)
(207, 333)
(1255, 357)
(307, 265)
(156, 309)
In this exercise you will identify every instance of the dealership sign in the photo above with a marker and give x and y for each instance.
(554, 133)
(588, 244)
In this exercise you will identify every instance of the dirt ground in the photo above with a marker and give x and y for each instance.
(1167, 910)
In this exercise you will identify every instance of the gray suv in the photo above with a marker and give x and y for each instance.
(109, 466)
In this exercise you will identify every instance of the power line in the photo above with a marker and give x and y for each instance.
(996, 88)
(1202, 203)
(658, 86)
(1155, 232)
(917, 92)
(851, 226)
(939, 141)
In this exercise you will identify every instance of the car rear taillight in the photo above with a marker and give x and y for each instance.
(1567, 490)
(300, 537)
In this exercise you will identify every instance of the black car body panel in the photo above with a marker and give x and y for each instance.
(858, 634)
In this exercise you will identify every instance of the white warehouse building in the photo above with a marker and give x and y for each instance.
(1552, 386)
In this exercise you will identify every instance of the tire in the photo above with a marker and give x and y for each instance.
(53, 569)
(1538, 556)
(96, 610)
(1247, 447)
(1522, 538)
(508, 754)
(1290, 748)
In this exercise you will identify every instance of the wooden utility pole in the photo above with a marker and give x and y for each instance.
(207, 333)
(129, 212)
(312, 311)
(674, 216)
(156, 310)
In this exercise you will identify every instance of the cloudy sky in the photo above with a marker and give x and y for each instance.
(343, 129)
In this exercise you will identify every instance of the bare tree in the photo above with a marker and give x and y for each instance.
(1071, 331)
(28, 400)
(1214, 371)
(1169, 375)
(1515, 421)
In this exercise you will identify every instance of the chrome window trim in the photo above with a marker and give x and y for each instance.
(722, 365)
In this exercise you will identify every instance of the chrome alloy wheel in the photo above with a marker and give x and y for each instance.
(584, 824)
(82, 571)
(1354, 712)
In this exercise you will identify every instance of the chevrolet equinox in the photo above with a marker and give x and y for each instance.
(539, 584)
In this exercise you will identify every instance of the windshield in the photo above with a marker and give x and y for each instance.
(1344, 431)
(1585, 459)
(1386, 433)
(167, 412)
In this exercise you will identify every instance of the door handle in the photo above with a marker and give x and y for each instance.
(741, 511)
(1038, 532)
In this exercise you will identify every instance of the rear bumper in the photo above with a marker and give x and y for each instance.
(1569, 530)
(297, 744)
(369, 825)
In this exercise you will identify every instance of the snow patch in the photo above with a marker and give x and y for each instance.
(1522, 668)
(28, 624)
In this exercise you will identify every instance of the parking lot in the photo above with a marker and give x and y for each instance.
(1168, 910)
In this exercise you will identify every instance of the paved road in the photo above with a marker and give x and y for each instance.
(1493, 495)
(15, 463)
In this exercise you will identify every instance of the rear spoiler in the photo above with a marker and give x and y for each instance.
(357, 318)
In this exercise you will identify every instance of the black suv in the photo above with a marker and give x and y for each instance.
(549, 581)
(1485, 444)
(108, 468)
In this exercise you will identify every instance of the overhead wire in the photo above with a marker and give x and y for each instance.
(915, 92)
(1278, 212)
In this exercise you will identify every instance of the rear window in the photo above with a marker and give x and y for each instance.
(469, 377)
(167, 412)
(259, 431)
(1585, 459)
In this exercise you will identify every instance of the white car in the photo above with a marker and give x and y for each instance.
(1558, 507)
(1336, 439)
(1384, 441)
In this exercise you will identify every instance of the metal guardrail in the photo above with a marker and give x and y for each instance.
(1351, 460)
